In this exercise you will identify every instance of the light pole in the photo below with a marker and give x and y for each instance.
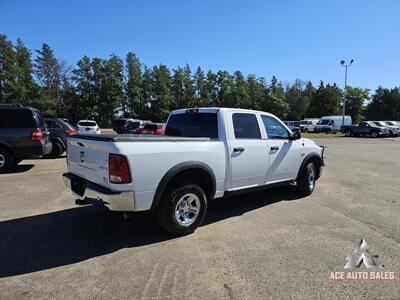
(343, 63)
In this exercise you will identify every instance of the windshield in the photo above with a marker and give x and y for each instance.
(193, 125)
(323, 122)
(379, 124)
(87, 123)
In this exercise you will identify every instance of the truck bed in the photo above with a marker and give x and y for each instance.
(136, 138)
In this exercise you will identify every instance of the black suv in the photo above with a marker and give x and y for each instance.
(59, 130)
(22, 135)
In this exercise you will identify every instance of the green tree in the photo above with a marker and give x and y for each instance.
(297, 100)
(212, 89)
(256, 92)
(385, 105)
(200, 85)
(161, 105)
(355, 99)
(239, 92)
(224, 86)
(26, 89)
(189, 94)
(274, 99)
(325, 101)
(147, 92)
(48, 73)
(177, 87)
(133, 85)
(7, 71)
(83, 78)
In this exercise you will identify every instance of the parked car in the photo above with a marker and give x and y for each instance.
(293, 125)
(329, 124)
(307, 125)
(365, 128)
(121, 125)
(59, 130)
(153, 128)
(136, 126)
(394, 128)
(205, 153)
(23, 135)
(88, 127)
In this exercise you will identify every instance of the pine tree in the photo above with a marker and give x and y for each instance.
(161, 105)
(83, 78)
(147, 92)
(189, 94)
(48, 74)
(26, 89)
(7, 71)
(200, 86)
(133, 85)
(177, 89)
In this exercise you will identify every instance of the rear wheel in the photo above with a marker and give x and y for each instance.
(7, 160)
(306, 180)
(374, 134)
(57, 149)
(182, 209)
(348, 133)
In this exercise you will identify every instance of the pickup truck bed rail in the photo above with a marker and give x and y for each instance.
(136, 138)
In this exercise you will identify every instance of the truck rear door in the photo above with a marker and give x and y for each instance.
(248, 151)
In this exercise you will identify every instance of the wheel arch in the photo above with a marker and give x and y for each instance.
(196, 171)
(9, 149)
(311, 157)
(59, 140)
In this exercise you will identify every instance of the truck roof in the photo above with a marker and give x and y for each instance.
(216, 109)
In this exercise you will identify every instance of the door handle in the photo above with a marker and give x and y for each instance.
(273, 148)
(238, 149)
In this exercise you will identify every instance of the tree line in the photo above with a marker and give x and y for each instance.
(100, 88)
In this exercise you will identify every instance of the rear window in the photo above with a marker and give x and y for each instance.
(151, 127)
(120, 122)
(193, 125)
(18, 118)
(87, 124)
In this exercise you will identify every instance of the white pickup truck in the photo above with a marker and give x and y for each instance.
(205, 153)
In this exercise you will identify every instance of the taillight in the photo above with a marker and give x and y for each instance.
(71, 131)
(37, 135)
(118, 169)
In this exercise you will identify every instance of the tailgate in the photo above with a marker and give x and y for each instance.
(89, 159)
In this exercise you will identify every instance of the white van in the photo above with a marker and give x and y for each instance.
(307, 125)
(331, 123)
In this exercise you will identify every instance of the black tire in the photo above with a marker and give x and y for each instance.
(308, 173)
(306, 130)
(7, 160)
(328, 131)
(391, 133)
(166, 211)
(57, 149)
(348, 133)
(374, 134)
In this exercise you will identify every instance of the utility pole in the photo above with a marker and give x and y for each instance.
(343, 63)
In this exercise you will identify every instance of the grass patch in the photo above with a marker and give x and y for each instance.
(107, 130)
(310, 135)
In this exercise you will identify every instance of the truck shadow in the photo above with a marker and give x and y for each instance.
(50, 240)
(22, 168)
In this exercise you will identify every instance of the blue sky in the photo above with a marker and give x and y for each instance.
(289, 39)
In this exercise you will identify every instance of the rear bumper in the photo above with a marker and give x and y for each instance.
(92, 192)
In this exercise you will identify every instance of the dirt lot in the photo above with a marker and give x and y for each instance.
(271, 244)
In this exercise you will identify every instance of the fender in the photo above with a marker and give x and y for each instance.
(307, 159)
(179, 168)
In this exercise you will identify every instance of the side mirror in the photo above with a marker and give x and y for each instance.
(296, 135)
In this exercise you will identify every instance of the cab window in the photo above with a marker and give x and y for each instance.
(274, 128)
(246, 126)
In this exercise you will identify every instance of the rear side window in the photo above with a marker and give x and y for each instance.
(17, 118)
(87, 124)
(246, 126)
(193, 125)
(52, 124)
